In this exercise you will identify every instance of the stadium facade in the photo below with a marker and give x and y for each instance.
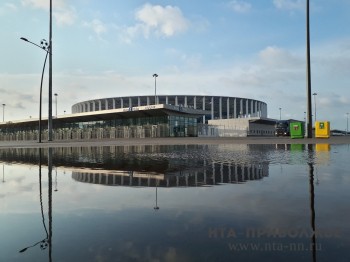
(137, 117)
(220, 107)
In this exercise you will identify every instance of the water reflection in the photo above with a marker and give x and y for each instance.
(256, 205)
(146, 167)
(47, 241)
(312, 204)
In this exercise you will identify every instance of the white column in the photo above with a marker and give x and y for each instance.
(220, 107)
(113, 103)
(195, 102)
(247, 107)
(235, 108)
(185, 105)
(93, 106)
(256, 108)
(228, 108)
(212, 107)
(148, 100)
(138, 101)
(121, 103)
(241, 107)
(167, 100)
(176, 102)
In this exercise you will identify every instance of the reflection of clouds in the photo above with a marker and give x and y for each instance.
(130, 251)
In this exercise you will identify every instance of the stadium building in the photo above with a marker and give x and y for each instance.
(140, 117)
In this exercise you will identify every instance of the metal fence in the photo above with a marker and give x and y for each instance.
(160, 130)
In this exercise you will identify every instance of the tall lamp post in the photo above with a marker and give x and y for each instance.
(347, 123)
(308, 72)
(56, 102)
(49, 120)
(280, 113)
(155, 88)
(3, 112)
(46, 47)
(315, 94)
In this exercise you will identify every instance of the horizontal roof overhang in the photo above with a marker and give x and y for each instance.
(263, 121)
(121, 113)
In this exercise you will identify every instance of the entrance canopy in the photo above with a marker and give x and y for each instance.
(122, 113)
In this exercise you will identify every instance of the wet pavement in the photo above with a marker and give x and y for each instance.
(179, 141)
(203, 200)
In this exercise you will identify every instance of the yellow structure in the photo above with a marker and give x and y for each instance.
(322, 129)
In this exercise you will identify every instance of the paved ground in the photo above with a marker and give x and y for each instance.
(177, 141)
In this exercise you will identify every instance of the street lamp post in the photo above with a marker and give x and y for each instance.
(49, 120)
(315, 94)
(280, 113)
(155, 88)
(3, 112)
(56, 102)
(347, 123)
(308, 72)
(46, 47)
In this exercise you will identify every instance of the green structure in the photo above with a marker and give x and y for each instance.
(296, 129)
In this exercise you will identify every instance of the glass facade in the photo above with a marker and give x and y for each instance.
(141, 127)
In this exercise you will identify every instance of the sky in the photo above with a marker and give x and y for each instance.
(241, 48)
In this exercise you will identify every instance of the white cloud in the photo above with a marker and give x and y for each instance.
(277, 58)
(11, 6)
(64, 14)
(44, 4)
(7, 7)
(97, 26)
(240, 6)
(289, 4)
(163, 21)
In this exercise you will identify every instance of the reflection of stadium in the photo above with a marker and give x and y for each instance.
(215, 174)
(149, 166)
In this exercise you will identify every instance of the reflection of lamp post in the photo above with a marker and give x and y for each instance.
(155, 88)
(56, 180)
(312, 208)
(45, 242)
(45, 46)
(156, 207)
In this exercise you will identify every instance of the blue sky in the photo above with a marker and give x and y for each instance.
(243, 48)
